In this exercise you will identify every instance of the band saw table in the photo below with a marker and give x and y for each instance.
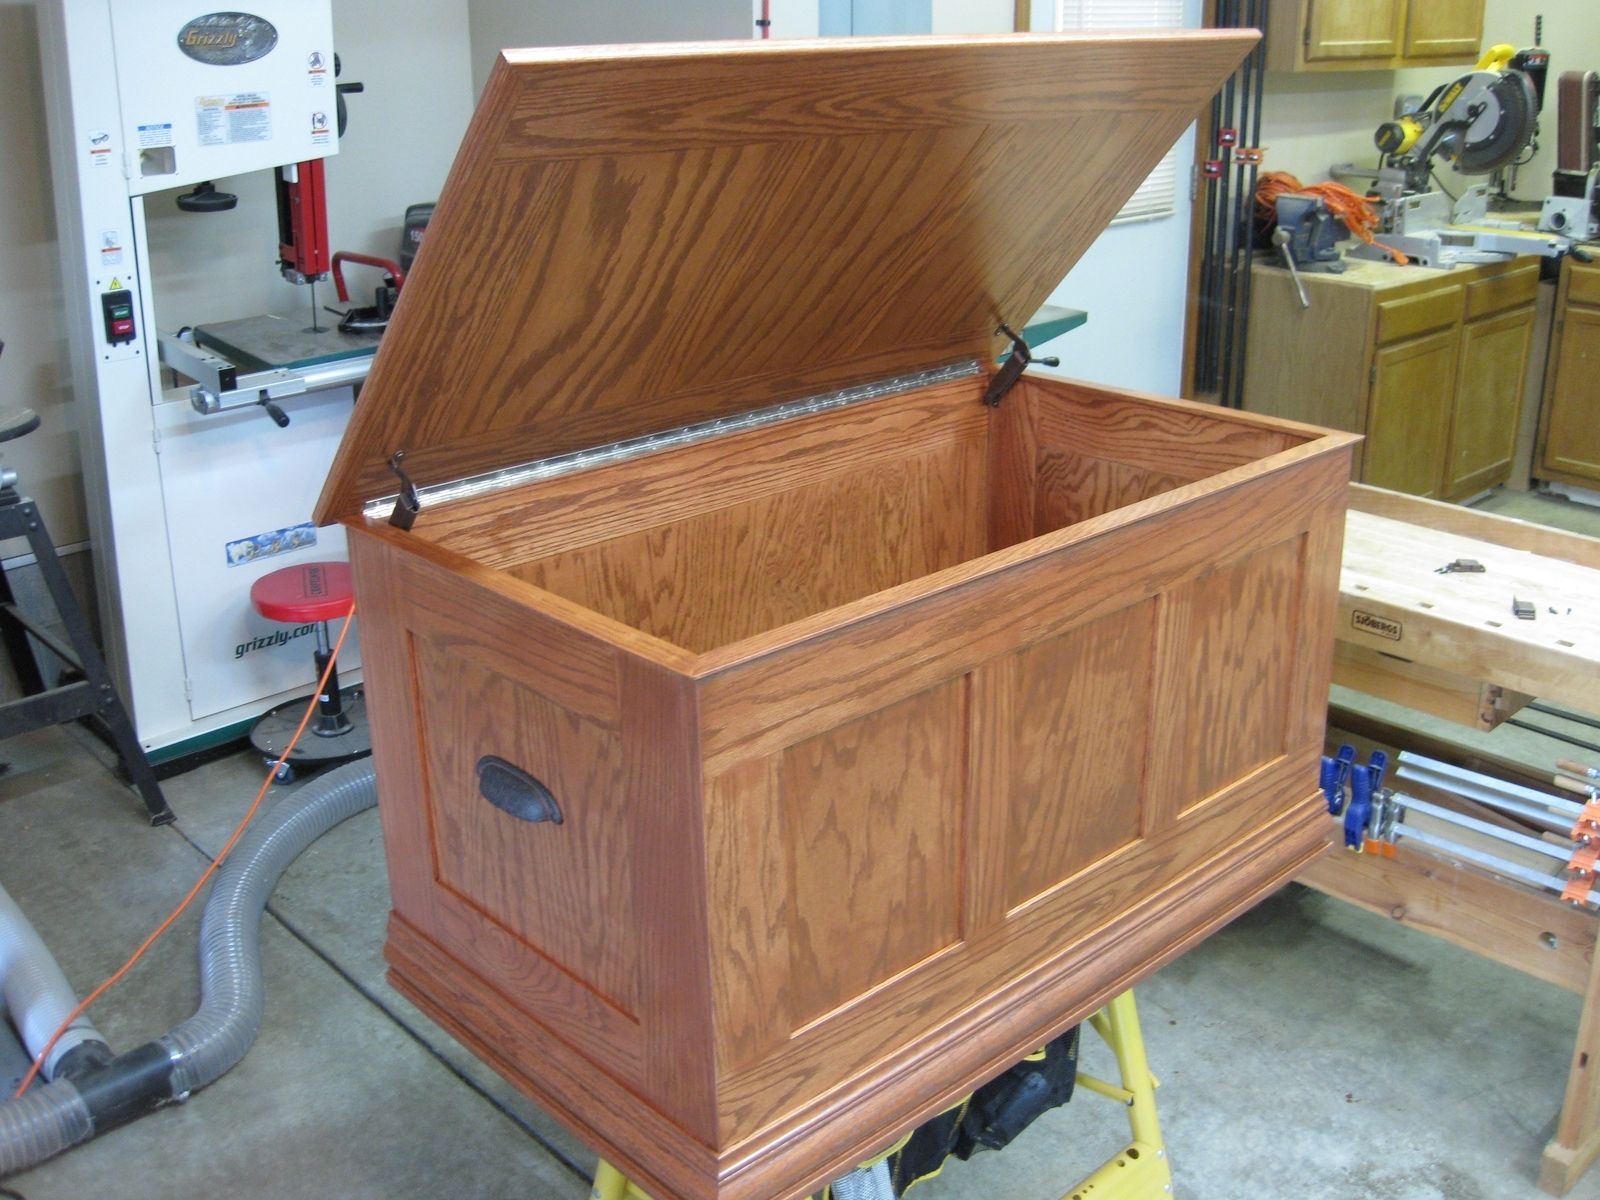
(1449, 643)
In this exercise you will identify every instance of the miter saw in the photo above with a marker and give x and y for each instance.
(1480, 124)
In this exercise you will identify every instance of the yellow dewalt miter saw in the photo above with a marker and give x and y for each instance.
(1479, 123)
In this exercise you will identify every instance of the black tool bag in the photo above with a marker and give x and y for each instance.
(992, 1116)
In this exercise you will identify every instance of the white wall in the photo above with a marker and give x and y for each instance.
(1132, 282)
(790, 18)
(500, 24)
(413, 57)
(973, 16)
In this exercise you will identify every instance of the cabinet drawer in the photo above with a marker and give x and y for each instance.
(1418, 314)
(1508, 290)
(1585, 285)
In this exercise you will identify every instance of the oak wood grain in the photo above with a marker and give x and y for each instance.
(1054, 928)
(405, 594)
(730, 226)
(817, 680)
(664, 784)
(1080, 739)
(553, 886)
(730, 573)
(1227, 642)
(518, 525)
(865, 852)
(880, 802)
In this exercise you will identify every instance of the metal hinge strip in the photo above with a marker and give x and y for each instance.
(670, 439)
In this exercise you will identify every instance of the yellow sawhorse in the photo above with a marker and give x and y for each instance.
(1139, 1171)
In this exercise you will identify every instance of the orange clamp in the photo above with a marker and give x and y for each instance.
(1588, 823)
(1583, 860)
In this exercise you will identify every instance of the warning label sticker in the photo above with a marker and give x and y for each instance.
(155, 135)
(100, 147)
(229, 120)
(110, 248)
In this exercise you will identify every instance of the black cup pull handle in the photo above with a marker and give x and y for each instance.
(512, 790)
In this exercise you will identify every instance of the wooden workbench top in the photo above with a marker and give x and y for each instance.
(1393, 601)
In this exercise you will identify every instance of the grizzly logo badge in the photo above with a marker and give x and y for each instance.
(227, 39)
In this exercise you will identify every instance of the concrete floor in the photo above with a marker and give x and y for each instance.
(1309, 1051)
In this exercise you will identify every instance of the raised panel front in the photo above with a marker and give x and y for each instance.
(1080, 726)
(1228, 641)
(562, 890)
(873, 815)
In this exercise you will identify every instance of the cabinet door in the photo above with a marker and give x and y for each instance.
(1413, 384)
(1483, 427)
(1352, 29)
(1443, 28)
(1572, 429)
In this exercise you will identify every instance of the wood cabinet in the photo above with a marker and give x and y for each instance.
(1429, 364)
(1331, 35)
(889, 729)
(1569, 427)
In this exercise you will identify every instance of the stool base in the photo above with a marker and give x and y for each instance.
(272, 730)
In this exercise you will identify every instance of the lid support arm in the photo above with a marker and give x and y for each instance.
(1018, 361)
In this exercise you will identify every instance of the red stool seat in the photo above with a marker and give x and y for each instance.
(315, 591)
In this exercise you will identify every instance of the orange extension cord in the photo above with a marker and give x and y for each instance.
(211, 869)
(1356, 211)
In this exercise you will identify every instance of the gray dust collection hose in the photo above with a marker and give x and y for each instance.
(59, 1115)
(34, 992)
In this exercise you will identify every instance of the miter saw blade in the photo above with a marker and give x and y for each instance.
(1503, 129)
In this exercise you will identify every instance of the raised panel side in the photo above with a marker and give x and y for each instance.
(410, 602)
(560, 888)
(1078, 743)
(1228, 645)
(874, 817)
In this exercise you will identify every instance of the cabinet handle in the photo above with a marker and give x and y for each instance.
(513, 791)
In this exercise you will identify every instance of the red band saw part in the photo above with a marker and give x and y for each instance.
(315, 591)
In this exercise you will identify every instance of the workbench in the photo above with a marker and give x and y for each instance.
(1449, 644)
(1431, 365)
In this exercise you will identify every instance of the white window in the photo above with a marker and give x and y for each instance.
(1155, 196)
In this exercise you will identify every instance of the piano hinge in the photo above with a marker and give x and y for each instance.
(408, 504)
(1011, 370)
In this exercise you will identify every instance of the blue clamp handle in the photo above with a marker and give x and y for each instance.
(1359, 815)
(1376, 766)
(1333, 775)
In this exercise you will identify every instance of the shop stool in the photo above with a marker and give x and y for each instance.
(1139, 1171)
(312, 593)
(90, 697)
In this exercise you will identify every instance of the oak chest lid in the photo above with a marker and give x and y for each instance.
(634, 239)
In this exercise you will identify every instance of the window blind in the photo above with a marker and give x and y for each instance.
(1156, 196)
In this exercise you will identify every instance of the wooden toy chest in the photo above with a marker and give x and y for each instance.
(774, 738)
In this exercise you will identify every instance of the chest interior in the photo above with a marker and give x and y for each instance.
(742, 536)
